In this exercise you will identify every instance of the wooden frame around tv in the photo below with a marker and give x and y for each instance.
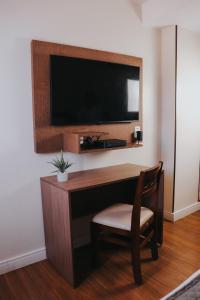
(50, 138)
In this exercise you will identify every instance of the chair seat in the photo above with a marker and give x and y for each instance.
(119, 216)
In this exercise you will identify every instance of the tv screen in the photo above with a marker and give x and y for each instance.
(90, 92)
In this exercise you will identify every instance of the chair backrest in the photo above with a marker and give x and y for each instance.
(147, 187)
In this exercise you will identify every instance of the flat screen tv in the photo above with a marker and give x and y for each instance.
(86, 91)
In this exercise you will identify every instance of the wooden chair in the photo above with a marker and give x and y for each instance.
(132, 225)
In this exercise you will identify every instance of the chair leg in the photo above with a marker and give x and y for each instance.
(135, 254)
(154, 248)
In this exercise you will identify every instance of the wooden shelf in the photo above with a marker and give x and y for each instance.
(129, 145)
(72, 142)
(90, 133)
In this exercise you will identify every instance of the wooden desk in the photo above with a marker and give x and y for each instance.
(69, 207)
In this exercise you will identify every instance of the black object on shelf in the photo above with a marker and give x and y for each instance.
(139, 136)
(102, 144)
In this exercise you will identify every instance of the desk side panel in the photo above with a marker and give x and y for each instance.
(56, 213)
(160, 210)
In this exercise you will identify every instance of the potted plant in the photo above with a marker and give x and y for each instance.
(61, 166)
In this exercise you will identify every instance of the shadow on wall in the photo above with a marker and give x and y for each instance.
(137, 7)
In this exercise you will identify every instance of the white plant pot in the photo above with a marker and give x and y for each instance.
(62, 177)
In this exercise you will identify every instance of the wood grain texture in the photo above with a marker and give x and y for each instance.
(91, 178)
(129, 145)
(85, 194)
(50, 138)
(160, 211)
(148, 184)
(71, 140)
(90, 133)
(114, 279)
(57, 226)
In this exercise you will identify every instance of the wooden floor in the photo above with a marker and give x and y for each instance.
(179, 258)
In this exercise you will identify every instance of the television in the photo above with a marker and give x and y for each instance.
(86, 91)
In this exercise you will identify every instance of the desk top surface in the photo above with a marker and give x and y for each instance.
(95, 177)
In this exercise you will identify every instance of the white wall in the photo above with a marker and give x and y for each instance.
(106, 25)
(188, 119)
(168, 47)
(180, 126)
(168, 12)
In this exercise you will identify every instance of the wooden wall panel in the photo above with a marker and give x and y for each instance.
(50, 138)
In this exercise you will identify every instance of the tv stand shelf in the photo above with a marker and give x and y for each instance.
(72, 142)
(129, 145)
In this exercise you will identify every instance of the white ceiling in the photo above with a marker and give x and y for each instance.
(185, 13)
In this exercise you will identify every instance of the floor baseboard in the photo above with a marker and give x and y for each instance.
(168, 216)
(23, 260)
(181, 213)
(31, 257)
(186, 211)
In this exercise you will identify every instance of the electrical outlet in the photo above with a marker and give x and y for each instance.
(137, 128)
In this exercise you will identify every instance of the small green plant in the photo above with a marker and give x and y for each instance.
(60, 164)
